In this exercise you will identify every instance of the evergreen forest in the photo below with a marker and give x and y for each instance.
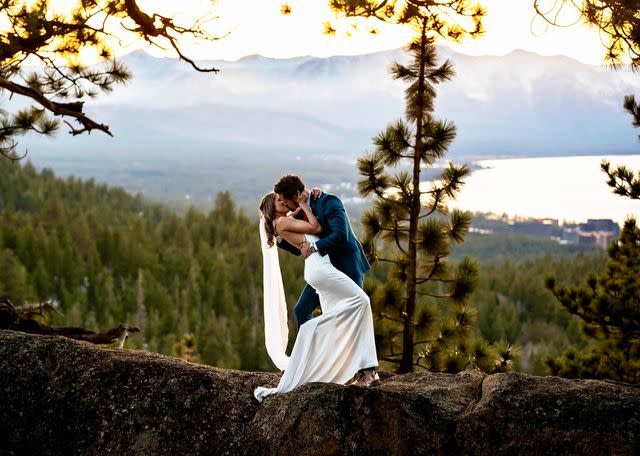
(192, 282)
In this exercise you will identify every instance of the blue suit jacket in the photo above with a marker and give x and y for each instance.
(336, 239)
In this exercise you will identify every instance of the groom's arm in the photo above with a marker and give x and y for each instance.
(338, 223)
(284, 245)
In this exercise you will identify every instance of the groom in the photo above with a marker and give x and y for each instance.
(336, 240)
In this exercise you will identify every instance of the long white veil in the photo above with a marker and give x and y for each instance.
(276, 331)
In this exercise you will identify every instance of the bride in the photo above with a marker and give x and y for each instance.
(332, 347)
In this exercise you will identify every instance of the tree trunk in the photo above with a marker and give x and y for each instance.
(406, 364)
(142, 309)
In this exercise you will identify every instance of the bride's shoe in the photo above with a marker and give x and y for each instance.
(367, 378)
(352, 381)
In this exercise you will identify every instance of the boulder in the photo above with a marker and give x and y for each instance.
(64, 397)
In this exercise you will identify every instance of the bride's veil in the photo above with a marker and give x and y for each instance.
(276, 331)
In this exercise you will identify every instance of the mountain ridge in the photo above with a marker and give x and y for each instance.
(441, 49)
(272, 111)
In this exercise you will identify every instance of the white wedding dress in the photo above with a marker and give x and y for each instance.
(334, 346)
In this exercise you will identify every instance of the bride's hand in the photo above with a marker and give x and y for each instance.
(316, 192)
(296, 212)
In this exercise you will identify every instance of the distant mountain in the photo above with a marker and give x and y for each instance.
(514, 105)
(260, 111)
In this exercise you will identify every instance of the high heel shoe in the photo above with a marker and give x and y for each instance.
(367, 378)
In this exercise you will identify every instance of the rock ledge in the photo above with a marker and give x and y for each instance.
(62, 397)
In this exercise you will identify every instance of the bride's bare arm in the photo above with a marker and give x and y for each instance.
(300, 226)
(312, 226)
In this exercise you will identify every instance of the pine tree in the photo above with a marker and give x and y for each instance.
(418, 231)
(14, 280)
(186, 348)
(609, 307)
(623, 181)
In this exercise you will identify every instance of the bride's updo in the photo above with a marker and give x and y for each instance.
(268, 210)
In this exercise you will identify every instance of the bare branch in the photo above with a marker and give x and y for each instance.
(147, 29)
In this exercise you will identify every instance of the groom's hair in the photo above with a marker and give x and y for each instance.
(289, 185)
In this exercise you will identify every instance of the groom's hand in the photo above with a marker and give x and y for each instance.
(303, 197)
(305, 249)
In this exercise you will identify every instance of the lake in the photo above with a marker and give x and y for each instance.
(564, 188)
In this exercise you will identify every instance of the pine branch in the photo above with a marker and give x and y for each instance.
(436, 263)
(390, 360)
(426, 341)
(397, 238)
(390, 355)
(622, 180)
(591, 317)
(385, 260)
(424, 293)
(632, 108)
(422, 280)
(398, 229)
(8, 152)
(386, 317)
(437, 197)
(73, 109)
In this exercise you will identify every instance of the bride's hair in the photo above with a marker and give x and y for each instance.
(268, 210)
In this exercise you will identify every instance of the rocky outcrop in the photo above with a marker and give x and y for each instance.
(62, 397)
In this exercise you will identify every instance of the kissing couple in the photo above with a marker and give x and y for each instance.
(337, 346)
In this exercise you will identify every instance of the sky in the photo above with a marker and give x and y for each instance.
(258, 27)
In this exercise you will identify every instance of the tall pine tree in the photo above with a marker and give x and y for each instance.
(418, 230)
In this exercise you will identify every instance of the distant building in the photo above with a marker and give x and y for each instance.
(538, 227)
(595, 232)
(600, 239)
(480, 231)
(569, 236)
(586, 238)
(600, 225)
